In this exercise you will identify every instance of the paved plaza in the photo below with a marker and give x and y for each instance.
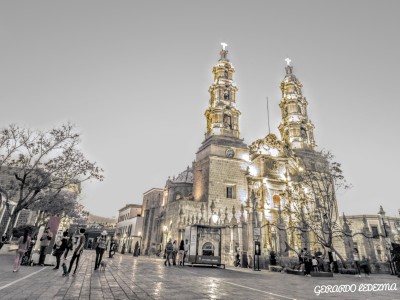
(128, 277)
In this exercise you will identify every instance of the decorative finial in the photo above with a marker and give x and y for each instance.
(223, 52)
(288, 68)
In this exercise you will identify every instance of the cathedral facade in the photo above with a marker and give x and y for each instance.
(241, 188)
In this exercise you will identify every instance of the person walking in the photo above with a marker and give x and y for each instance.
(364, 264)
(356, 259)
(78, 250)
(59, 248)
(101, 247)
(168, 252)
(44, 243)
(23, 244)
(69, 247)
(186, 251)
(307, 263)
(175, 250)
(182, 253)
(112, 244)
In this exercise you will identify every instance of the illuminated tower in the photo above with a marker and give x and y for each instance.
(222, 115)
(295, 128)
(221, 161)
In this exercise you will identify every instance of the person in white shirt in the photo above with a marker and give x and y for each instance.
(174, 252)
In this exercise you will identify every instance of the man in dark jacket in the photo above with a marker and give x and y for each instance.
(169, 248)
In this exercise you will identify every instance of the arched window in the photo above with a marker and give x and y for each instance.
(303, 134)
(226, 95)
(208, 249)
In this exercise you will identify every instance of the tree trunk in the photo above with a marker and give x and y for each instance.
(340, 257)
(13, 218)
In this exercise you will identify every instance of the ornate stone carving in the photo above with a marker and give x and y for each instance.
(270, 145)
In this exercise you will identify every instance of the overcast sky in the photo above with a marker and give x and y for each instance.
(134, 77)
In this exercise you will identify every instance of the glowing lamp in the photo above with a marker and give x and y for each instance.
(214, 218)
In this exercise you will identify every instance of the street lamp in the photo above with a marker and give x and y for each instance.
(214, 218)
(165, 230)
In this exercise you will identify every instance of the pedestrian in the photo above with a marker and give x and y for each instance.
(364, 264)
(314, 262)
(78, 250)
(272, 258)
(3, 240)
(168, 252)
(44, 243)
(59, 248)
(23, 244)
(186, 251)
(182, 253)
(174, 252)
(237, 260)
(69, 247)
(307, 263)
(112, 244)
(356, 259)
(101, 247)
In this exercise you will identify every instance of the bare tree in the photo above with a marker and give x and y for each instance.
(41, 164)
(313, 202)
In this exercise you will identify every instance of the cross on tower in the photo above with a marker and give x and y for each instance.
(224, 45)
(288, 60)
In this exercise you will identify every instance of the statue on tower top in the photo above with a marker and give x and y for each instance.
(288, 68)
(223, 52)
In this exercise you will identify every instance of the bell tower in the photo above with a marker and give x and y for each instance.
(222, 115)
(295, 128)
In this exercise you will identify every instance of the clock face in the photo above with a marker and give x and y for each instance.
(229, 153)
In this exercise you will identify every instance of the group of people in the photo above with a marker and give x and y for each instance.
(308, 261)
(360, 264)
(172, 250)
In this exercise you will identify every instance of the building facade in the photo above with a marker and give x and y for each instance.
(374, 236)
(245, 189)
(129, 228)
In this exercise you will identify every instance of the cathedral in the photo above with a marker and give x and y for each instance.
(240, 188)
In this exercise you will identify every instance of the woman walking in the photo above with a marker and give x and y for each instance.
(101, 247)
(59, 248)
(182, 253)
(23, 244)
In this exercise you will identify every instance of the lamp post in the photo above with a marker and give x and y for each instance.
(140, 242)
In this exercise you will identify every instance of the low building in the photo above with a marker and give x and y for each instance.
(129, 228)
(373, 235)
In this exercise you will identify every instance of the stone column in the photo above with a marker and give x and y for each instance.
(282, 236)
(368, 243)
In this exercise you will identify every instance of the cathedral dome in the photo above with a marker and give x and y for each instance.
(185, 176)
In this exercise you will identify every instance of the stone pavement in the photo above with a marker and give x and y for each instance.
(128, 277)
